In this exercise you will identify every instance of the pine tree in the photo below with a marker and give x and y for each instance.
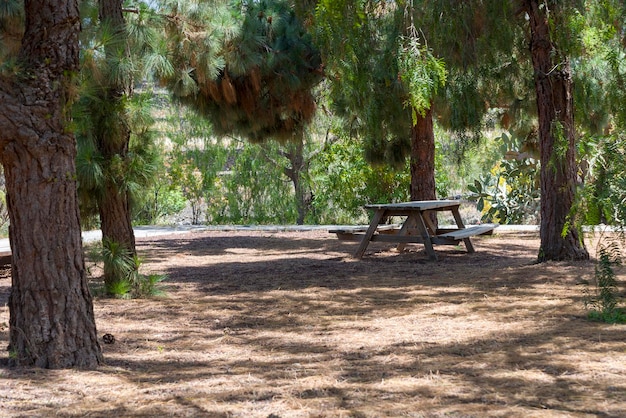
(560, 240)
(255, 82)
(115, 145)
(51, 320)
(384, 79)
(251, 77)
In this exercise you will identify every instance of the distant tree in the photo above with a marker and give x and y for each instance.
(297, 171)
(255, 82)
(51, 320)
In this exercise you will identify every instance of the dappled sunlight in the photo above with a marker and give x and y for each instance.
(288, 324)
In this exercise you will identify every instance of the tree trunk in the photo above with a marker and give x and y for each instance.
(560, 240)
(298, 167)
(423, 160)
(51, 320)
(114, 204)
(115, 220)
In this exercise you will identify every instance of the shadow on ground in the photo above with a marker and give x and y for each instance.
(288, 324)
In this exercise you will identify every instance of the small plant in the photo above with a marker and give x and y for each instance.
(118, 263)
(145, 285)
(602, 303)
(129, 283)
(119, 289)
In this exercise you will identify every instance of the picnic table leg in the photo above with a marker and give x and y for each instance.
(378, 216)
(429, 221)
(428, 245)
(405, 230)
(460, 225)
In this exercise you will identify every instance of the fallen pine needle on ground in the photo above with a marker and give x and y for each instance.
(287, 324)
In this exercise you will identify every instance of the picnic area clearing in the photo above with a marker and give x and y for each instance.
(288, 324)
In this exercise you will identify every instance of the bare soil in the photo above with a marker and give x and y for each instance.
(287, 324)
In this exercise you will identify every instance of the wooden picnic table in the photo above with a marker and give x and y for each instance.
(417, 227)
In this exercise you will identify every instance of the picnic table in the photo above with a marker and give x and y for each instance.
(418, 227)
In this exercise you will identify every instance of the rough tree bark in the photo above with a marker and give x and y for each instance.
(113, 143)
(51, 320)
(423, 160)
(553, 85)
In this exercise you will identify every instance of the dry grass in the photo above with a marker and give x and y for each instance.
(286, 324)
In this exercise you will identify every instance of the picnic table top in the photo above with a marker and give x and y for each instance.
(417, 205)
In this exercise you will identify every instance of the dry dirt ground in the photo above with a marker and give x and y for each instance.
(286, 324)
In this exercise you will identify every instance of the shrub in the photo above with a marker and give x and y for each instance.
(602, 301)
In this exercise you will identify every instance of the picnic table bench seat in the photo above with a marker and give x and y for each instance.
(354, 233)
(469, 231)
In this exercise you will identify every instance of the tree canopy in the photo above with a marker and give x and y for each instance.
(255, 80)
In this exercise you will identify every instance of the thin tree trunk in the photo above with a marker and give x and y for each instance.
(51, 320)
(114, 204)
(295, 155)
(423, 160)
(553, 83)
(115, 220)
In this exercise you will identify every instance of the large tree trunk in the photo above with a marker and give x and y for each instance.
(559, 239)
(114, 204)
(51, 313)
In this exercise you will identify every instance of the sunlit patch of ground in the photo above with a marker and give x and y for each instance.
(286, 324)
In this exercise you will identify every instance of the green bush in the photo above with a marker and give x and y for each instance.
(343, 181)
(604, 160)
(159, 202)
(254, 190)
(131, 284)
(510, 193)
(602, 300)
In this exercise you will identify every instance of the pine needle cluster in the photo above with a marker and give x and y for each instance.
(256, 81)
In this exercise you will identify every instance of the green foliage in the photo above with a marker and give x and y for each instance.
(487, 65)
(255, 82)
(255, 190)
(602, 301)
(560, 146)
(605, 180)
(196, 161)
(128, 283)
(119, 289)
(117, 257)
(421, 73)
(343, 181)
(462, 109)
(149, 285)
(132, 172)
(161, 200)
(116, 151)
(375, 69)
(510, 193)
